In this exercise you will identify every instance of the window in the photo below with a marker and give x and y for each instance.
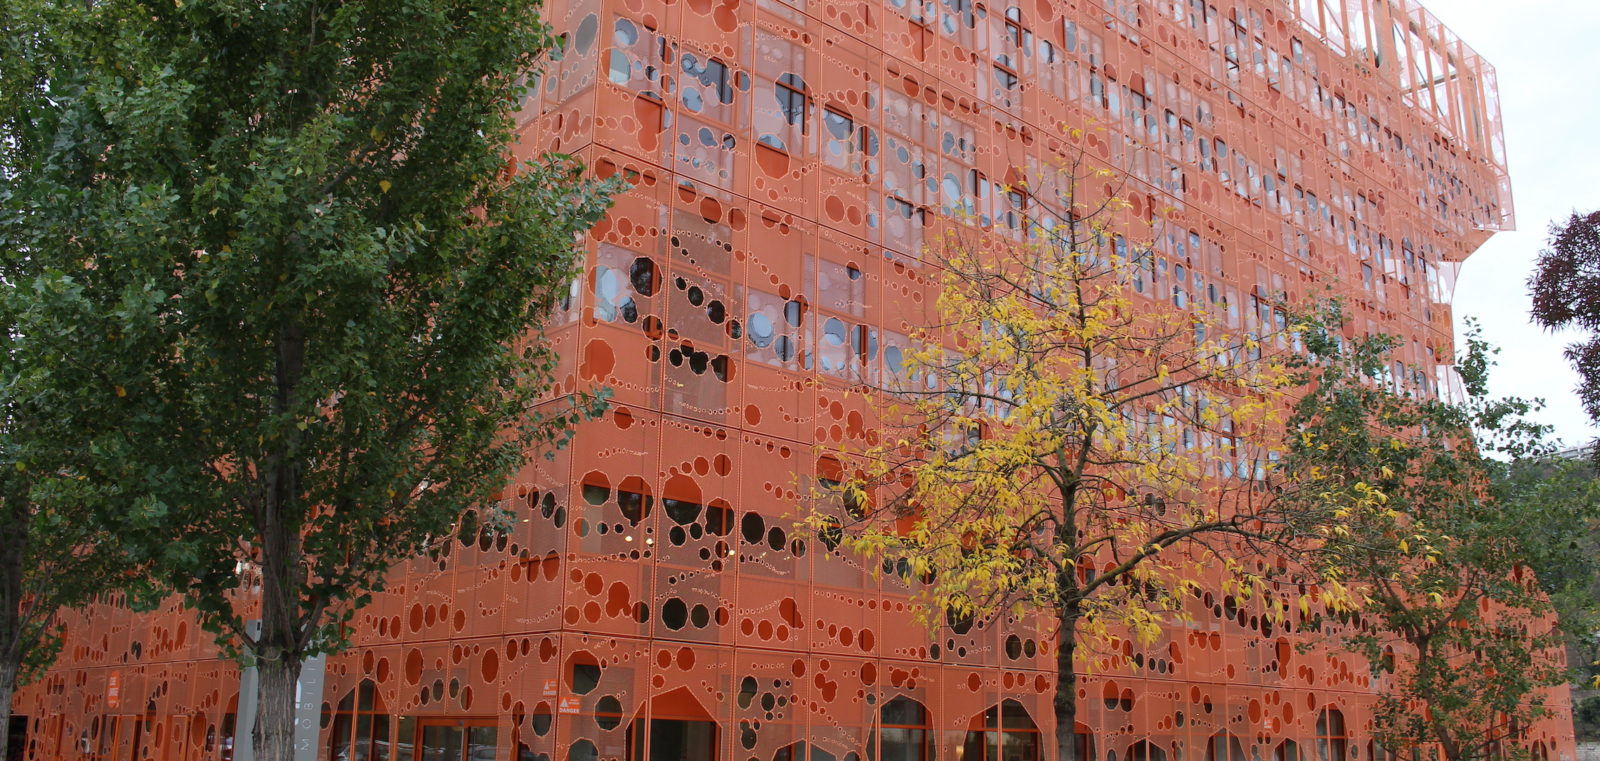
(585, 675)
(797, 752)
(448, 738)
(636, 56)
(104, 730)
(1005, 77)
(634, 499)
(1016, 34)
(1144, 750)
(677, 729)
(840, 126)
(903, 223)
(230, 720)
(904, 731)
(1006, 733)
(712, 77)
(958, 19)
(360, 726)
(1016, 213)
(1332, 741)
(791, 95)
(1224, 747)
(845, 141)
(144, 735)
(624, 35)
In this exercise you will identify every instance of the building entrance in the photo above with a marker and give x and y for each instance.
(455, 739)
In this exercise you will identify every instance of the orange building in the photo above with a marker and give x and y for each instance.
(788, 160)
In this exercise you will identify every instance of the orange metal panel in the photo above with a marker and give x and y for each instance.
(790, 160)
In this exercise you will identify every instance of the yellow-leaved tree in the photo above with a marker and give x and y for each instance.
(1072, 437)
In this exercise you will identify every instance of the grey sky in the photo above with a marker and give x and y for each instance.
(1547, 54)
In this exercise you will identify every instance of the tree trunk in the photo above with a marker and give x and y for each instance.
(278, 651)
(1066, 697)
(280, 648)
(13, 543)
(8, 689)
(273, 736)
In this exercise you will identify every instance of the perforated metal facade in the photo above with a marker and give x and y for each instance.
(788, 163)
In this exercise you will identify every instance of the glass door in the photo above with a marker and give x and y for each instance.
(441, 742)
(481, 743)
(455, 740)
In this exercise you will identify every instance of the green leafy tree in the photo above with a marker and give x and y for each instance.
(1586, 717)
(1564, 549)
(299, 282)
(54, 552)
(56, 547)
(1568, 567)
(1440, 558)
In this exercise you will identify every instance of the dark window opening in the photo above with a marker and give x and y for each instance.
(904, 732)
(584, 674)
(18, 738)
(677, 729)
(1004, 733)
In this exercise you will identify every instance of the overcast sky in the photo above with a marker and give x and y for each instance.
(1547, 53)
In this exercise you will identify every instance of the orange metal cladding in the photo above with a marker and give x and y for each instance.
(789, 161)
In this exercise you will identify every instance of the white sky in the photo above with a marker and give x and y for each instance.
(1547, 54)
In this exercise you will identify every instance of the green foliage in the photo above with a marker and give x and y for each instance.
(58, 546)
(292, 285)
(1558, 528)
(55, 549)
(1586, 717)
(1438, 555)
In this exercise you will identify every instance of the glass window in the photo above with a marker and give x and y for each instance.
(791, 93)
(904, 727)
(360, 726)
(1333, 742)
(226, 740)
(677, 729)
(1144, 750)
(840, 126)
(1005, 78)
(585, 677)
(1004, 733)
(711, 75)
(1224, 747)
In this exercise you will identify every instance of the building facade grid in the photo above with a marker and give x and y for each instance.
(787, 164)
